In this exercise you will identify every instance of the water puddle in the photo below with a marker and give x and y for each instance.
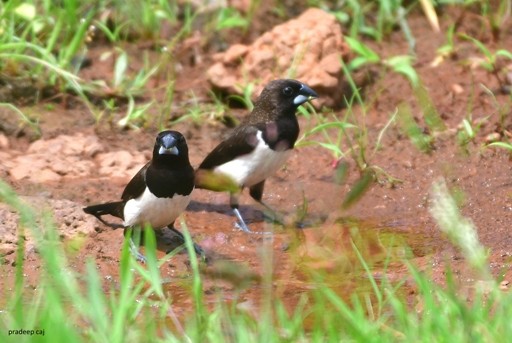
(297, 262)
(248, 272)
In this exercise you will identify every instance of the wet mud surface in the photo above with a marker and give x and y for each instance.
(78, 162)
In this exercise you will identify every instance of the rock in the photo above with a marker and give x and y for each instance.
(120, 163)
(82, 168)
(235, 53)
(62, 167)
(308, 48)
(69, 218)
(24, 168)
(6, 249)
(45, 175)
(457, 89)
(48, 160)
(492, 137)
(221, 78)
(4, 142)
(5, 158)
(92, 146)
(68, 145)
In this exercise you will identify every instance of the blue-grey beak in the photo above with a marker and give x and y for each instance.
(305, 94)
(168, 145)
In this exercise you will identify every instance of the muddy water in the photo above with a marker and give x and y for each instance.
(295, 262)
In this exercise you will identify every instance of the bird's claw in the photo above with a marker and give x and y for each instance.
(136, 253)
(240, 225)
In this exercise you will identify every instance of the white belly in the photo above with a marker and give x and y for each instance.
(250, 169)
(158, 212)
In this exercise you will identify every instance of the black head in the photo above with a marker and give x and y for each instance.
(170, 144)
(282, 97)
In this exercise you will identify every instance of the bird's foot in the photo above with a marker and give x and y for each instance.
(136, 253)
(242, 226)
(197, 248)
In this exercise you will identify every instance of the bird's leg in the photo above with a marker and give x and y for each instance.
(233, 202)
(256, 192)
(197, 248)
(134, 250)
(241, 223)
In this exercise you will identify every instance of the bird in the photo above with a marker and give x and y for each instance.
(157, 194)
(258, 147)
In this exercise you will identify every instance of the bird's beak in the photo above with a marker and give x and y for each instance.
(168, 146)
(305, 94)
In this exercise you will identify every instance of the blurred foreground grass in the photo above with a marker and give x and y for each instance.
(75, 308)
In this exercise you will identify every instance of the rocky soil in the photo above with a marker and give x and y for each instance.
(77, 162)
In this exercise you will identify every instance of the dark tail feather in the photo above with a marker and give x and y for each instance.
(111, 208)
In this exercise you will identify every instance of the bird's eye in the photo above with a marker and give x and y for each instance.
(288, 91)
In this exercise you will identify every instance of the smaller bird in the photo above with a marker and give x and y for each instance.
(157, 194)
(258, 147)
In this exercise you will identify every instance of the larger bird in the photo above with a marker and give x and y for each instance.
(158, 193)
(258, 147)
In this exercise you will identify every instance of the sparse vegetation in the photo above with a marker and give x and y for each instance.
(140, 308)
(45, 43)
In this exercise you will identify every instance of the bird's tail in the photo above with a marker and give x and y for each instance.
(111, 208)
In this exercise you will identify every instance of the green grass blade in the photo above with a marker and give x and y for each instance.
(406, 121)
(359, 188)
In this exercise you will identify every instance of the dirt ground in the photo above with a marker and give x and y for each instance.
(387, 221)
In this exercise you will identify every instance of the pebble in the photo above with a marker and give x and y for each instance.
(504, 285)
(492, 137)
(457, 89)
(4, 141)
